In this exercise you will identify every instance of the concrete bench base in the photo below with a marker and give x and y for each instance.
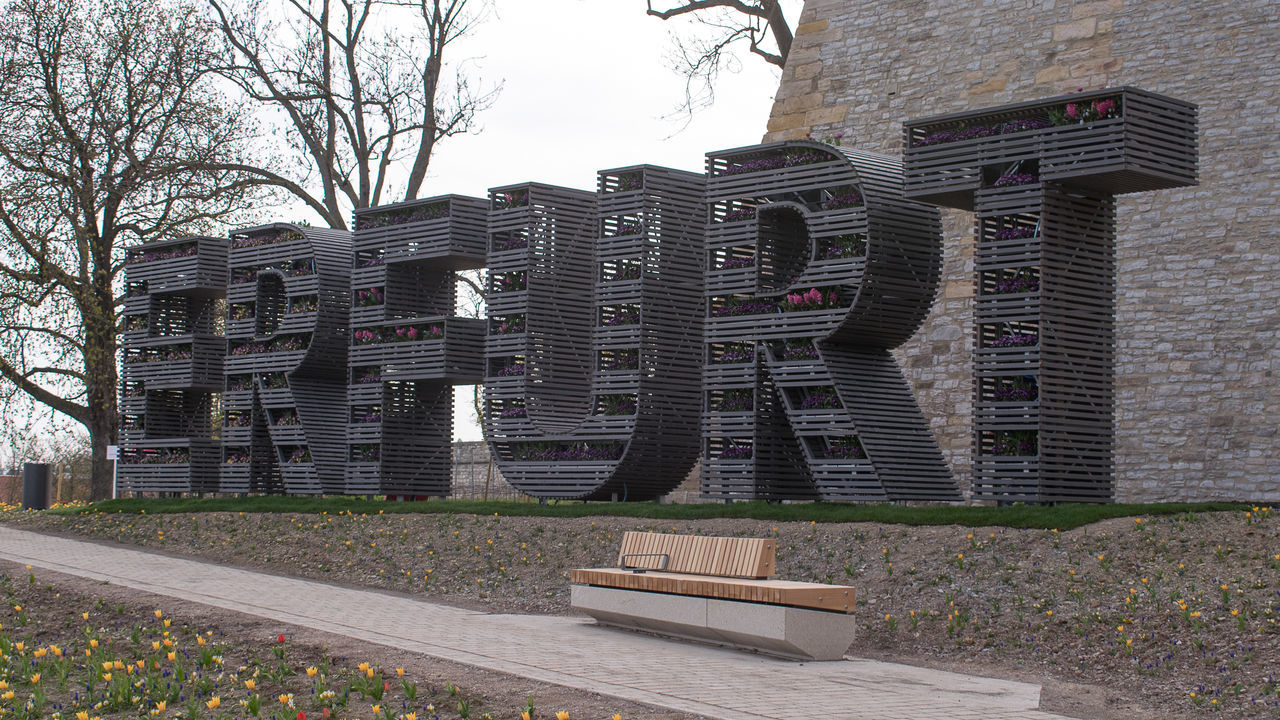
(788, 632)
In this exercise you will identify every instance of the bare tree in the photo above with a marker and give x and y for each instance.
(725, 24)
(114, 134)
(360, 88)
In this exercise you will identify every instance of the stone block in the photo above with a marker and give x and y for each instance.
(807, 70)
(1081, 29)
(812, 27)
(826, 115)
(778, 123)
(802, 103)
(789, 632)
(1052, 74)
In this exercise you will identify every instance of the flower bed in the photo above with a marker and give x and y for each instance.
(271, 237)
(813, 299)
(558, 452)
(1015, 443)
(775, 161)
(397, 333)
(402, 216)
(172, 252)
(1016, 390)
(1015, 340)
(1069, 113)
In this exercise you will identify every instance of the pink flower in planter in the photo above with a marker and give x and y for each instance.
(1104, 106)
(1073, 111)
(412, 333)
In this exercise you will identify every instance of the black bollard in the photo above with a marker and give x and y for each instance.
(35, 486)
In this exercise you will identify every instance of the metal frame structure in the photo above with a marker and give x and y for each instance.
(172, 365)
(286, 366)
(407, 348)
(592, 351)
(1041, 178)
(751, 309)
(817, 267)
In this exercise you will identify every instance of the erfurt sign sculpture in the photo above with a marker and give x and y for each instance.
(743, 316)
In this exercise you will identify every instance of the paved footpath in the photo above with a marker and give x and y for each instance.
(703, 680)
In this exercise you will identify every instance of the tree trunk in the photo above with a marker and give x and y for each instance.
(101, 378)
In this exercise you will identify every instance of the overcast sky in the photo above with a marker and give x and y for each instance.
(586, 84)
(586, 87)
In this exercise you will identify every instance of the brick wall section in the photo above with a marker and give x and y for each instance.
(1198, 352)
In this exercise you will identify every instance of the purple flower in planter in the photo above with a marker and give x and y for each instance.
(511, 370)
(736, 354)
(623, 317)
(513, 412)
(623, 360)
(585, 451)
(1016, 442)
(1016, 340)
(739, 215)
(1014, 233)
(1018, 389)
(1019, 284)
(736, 401)
(802, 350)
(1015, 179)
(733, 307)
(1025, 124)
(629, 181)
(821, 399)
(738, 262)
(846, 448)
(813, 299)
(504, 201)
(370, 297)
(844, 197)
(736, 452)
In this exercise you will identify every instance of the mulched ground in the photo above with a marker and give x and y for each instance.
(1169, 616)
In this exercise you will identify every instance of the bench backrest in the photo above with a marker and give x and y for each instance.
(699, 555)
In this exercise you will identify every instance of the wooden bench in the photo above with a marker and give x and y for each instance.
(716, 589)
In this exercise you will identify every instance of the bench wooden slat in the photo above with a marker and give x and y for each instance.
(837, 598)
(717, 556)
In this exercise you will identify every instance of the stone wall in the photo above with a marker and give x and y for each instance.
(1199, 268)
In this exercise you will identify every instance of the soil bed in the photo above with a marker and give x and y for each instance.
(1165, 616)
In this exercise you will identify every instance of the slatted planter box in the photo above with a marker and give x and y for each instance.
(416, 231)
(185, 413)
(456, 355)
(283, 361)
(234, 477)
(202, 370)
(301, 478)
(408, 254)
(193, 265)
(298, 280)
(197, 472)
(1147, 143)
(1045, 258)
(288, 434)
